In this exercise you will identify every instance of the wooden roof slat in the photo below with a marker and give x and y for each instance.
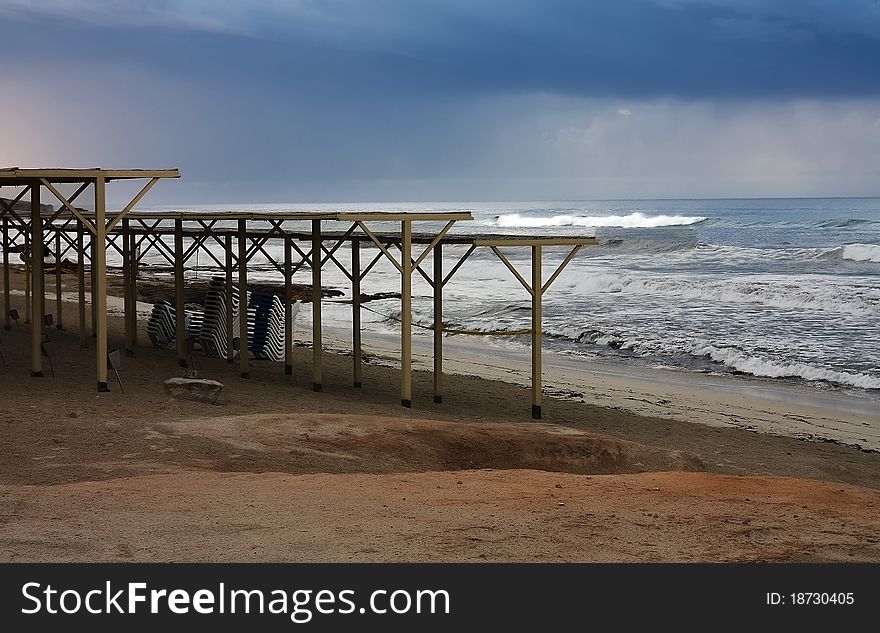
(397, 216)
(9, 175)
(482, 239)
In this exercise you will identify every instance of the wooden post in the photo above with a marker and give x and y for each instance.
(99, 294)
(81, 276)
(42, 315)
(537, 259)
(242, 299)
(37, 295)
(288, 309)
(356, 310)
(132, 282)
(7, 320)
(127, 304)
(406, 313)
(438, 322)
(27, 277)
(317, 360)
(230, 317)
(179, 297)
(93, 282)
(58, 302)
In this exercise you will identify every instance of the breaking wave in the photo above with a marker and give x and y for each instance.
(631, 221)
(732, 358)
(861, 252)
(742, 362)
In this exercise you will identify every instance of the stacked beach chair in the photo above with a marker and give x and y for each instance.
(160, 327)
(265, 323)
(266, 340)
(194, 320)
(213, 334)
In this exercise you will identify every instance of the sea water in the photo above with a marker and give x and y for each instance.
(778, 289)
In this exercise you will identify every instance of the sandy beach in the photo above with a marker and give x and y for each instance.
(648, 467)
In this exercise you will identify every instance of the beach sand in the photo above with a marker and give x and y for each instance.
(276, 472)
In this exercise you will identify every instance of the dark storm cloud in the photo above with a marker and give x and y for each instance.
(631, 48)
(449, 99)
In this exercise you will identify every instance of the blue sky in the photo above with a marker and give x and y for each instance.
(347, 100)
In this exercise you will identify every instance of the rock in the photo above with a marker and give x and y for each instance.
(200, 389)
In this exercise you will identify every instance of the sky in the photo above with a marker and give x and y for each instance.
(449, 100)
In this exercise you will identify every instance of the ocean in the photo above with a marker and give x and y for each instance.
(775, 289)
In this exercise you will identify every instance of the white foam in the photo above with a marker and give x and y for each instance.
(757, 290)
(761, 367)
(633, 220)
(861, 252)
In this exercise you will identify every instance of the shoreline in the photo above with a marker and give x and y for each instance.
(724, 401)
(749, 403)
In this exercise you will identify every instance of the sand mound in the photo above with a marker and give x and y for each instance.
(352, 443)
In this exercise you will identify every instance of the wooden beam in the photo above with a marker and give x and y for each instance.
(93, 281)
(532, 241)
(406, 314)
(242, 300)
(416, 268)
(305, 258)
(99, 294)
(44, 252)
(438, 322)
(380, 246)
(133, 282)
(288, 308)
(339, 242)
(131, 204)
(7, 320)
(372, 263)
(63, 200)
(81, 284)
(458, 265)
(128, 304)
(434, 243)
(37, 295)
(356, 312)
(79, 175)
(380, 216)
(179, 296)
(537, 260)
(58, 303)
(561, 267)
(512, 269)
(317, 340)
(70, 200)
(9, 207)
(27, 277)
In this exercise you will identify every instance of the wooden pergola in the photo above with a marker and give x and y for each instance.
(33, 181)
(242, 236)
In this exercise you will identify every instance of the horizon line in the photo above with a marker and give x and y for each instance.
(520, 201)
